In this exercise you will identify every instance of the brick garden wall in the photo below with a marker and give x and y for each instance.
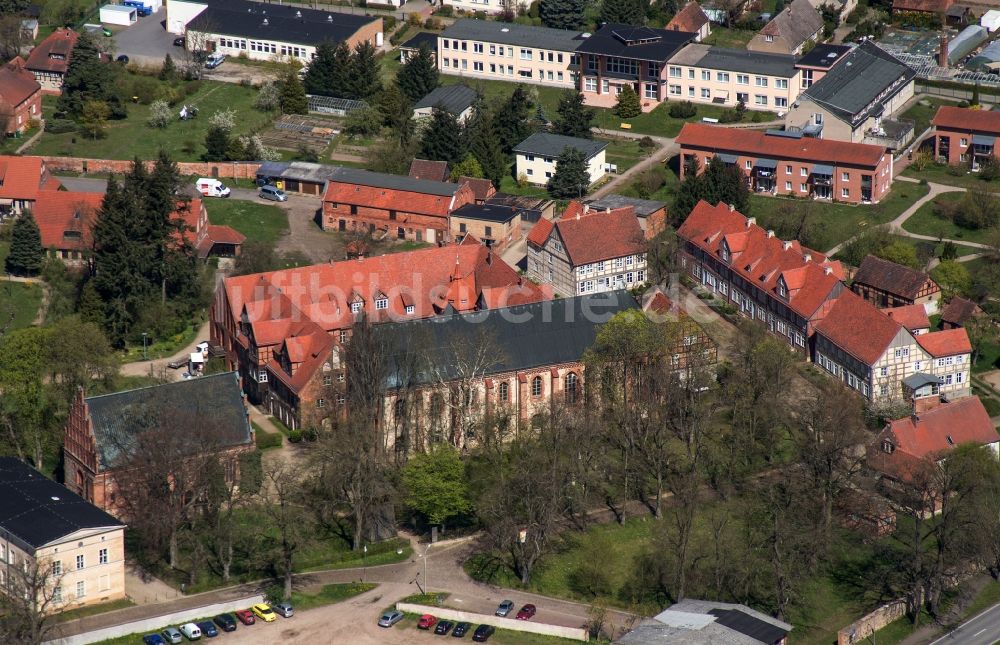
(867, 625)
(224, 169)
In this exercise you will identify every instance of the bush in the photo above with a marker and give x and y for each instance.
(413, 20)
(590, 580)
(646, 143)
(60, 126)
(730, 116)
(388, 23)
(159, 114)
(295, 436)
(191, 87)
(683, 110)
(446, 10)
(956, 170)
(267, 440)
(433, 23)
(274, 594)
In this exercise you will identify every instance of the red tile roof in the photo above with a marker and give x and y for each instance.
(432, 170)
(53, 53)
(946, 343)
(967, 120)
(929, 6)
(483, 189)
(65, 218)
(857, 327)
(690, 18)
(540, 232)
(403, 201)
(765, 261)
(756, 143)
(17, 84)
(24, 177)
(593, 236)
(910, 316)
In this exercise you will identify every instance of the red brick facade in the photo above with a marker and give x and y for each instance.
(965, 136)
(20, 98)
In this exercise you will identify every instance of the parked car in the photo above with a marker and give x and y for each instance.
(225, 622)
(390, 618)
(172, 635)
(123, 59)
(263, 611)
(426, 621)
(212, 187)
(284, 609)
(214, 60)
(273, 193)
(191, 631)
(505, 608)
(208, 629)
(526, 612)
(153, 639)
(483, 633)
(443, 627)
(461, 630)
(179, 41)
(245, 616)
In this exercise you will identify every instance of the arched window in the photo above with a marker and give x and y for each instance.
(504, 391)
(536, 386)
(571, 387)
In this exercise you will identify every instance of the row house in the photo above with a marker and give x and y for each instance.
(720, 76)
(55, 543)
(875, 354)
(22, 180)
(20, 98)
(965, 136)
(618, 56)
(887, 284)
(797, 25)
(49, 59)
(401, 207)
(103, 430)
(780, 283)
(509, 52)
(284, 330)
(588, 251)
(447, 375)
(784, 163)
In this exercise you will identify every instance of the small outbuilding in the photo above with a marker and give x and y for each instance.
(115, 14)
(990, 20)
(454, 99)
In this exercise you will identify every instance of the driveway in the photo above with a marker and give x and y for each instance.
(147, 41)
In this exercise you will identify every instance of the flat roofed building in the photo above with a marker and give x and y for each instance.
(509, 52)
(495, 226)
(819, 60)
(537, 156)
(704, 74)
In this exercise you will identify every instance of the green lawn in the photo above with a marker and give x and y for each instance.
(329, 594)
(161, 347)
(19, 303)
(734, 38)
(624, 153)
(184, 140)
(941, 174)
(925, 222)
(4, 250)
(923, 111)
(92, 610)
(261, 222)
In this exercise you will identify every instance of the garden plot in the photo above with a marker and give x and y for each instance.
(294, 132)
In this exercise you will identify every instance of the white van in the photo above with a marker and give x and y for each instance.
(212, 188)
(192, 631)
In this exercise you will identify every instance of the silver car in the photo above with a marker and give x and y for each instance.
(273, 193)
(505, 608)
(390, 618)
(283, 608)
(172, 635)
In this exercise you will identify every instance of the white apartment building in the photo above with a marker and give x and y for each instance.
(704, 74)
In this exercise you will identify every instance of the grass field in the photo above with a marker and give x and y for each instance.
(132, 137)
(624, 153)
(939, 174)
(19, 303)
(329, 594)
(922, 114)
(723, 37)
(925, 222)
(261, 222)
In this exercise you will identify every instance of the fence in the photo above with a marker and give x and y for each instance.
(228, 169)
(574, 633)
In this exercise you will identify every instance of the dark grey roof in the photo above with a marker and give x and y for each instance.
(393, 182)
(748, 625)
(215, 400)
(507, 33)
(642, 43)
(486, 212)
(450, 98)
(796, 23)
(424, 37)
(919, 380)
(285, 23)
(552, 145)
(36, 510)
(823, 55)
(525, 337)
(850, 88)
(741, 60)
(643, 207)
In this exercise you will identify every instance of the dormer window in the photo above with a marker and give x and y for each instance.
(782, 288)
(356, 307)
(381, 303)
(409, 309)
(888, 447)
(724, 252)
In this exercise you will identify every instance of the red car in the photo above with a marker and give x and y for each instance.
(246, 616)
(526, 612)
(426, 621)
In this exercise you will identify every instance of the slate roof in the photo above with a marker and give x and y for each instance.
(958, 310)
(486, 212)
(37, 511)
(796, 23)
(216, 400)
(890, 277)
(823, 55)
(854, 325)
(454, 99)
(527, 336)
(643, 207)
(849, 89)
(736, 60)
(552, 145)
(967, 120)
(641, 43)
(392, 182)
(508, 33)
(430, 170)
(690, 19)
(285, 23)
(424, 37)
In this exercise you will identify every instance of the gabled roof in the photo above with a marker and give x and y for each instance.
(736, 60)
(929, 6)
(948, 342)
(910, 316)
(423, 38)
(429, 170)
(958, 310)
(760, 144)
(453, 99)
(24, 177)
(65, 219)
(691, 18)
(53, 53)
(552, 145)
(595, 235)
(540, 232)
(890, 277)
(394, 192)
(854, 325)
(483, 189)
(355, 176)
(17, 84)
(37, 510)
(967, 120)
(642, 43)
(797, 23)
(763, 260)
(212, 402)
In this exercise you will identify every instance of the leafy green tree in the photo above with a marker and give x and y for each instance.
(365, 79)
(169, 70)
(899, 252)
(88, 78)
(574, 118)
(483, 140)
(216, 144)
(442, 140)
(468, 167)
(435, 484)
(626, 12)
(512, 119)
(255, 257)
(563, 14)
(81, 356)
(94, 118)
(91, 309)
(953, 278)
(397, 112)
(8, 7)
(629, 106)
(418, 75)
(392, 156)
(26, 252)
(363, 122)
(571, 178)
(293, 94)
(24, 404)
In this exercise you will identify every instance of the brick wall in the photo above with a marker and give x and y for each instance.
(224, 169)
(867, 625)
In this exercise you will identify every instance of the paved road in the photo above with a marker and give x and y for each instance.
(983, 629)
(665, 148)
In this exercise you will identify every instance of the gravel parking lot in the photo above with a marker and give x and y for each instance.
(147, 41)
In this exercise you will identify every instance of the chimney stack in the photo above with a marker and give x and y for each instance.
(751, 221)
(943, 51)
(770, 233)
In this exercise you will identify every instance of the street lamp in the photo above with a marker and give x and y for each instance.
(364, 562)
(144, 356)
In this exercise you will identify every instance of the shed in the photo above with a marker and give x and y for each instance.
(114, 14)
(990, 20)
(965, 42)
(987, 58)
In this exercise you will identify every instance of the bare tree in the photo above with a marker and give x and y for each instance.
(284, 506)
(32, 594)
(13, 37)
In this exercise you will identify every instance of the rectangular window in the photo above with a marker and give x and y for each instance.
(320, 403)
(675, 90)
(81, 589)
(590, 84)
(818, 118)
(675, 72)
(381, 304)
(56, 593)
(803, 188)
(57, 567)
(788, 170)
(803, 172)
(651, 91)
(355, 307)
(102, 556)
(788, 185)
(845, 176)
(493, 50)
(477, 48)
(706, 93)
(780, 101)
(328, 380)
(742, 79)
(760, 81)
(722, 77)
(626, 66)
(262, 376)
(477, 66)
(845, 193)
(759, 99)
(885, 370)
(525, 54)
(691, 92)
(79, 562)
(781, 83)
(963, 142)
(706, 75)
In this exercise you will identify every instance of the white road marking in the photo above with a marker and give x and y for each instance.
(978, 633)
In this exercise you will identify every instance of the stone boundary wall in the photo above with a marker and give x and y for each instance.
(225, 169)
(867, 625)
(575, 633)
